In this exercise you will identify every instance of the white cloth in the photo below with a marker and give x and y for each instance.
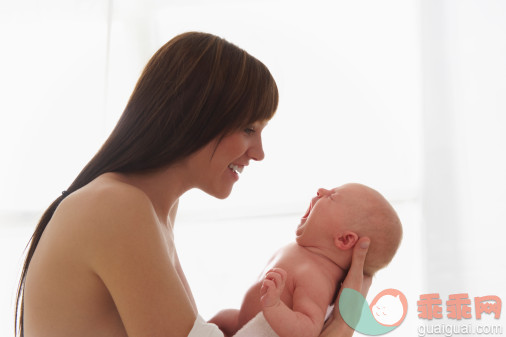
(203, 329)
(259, 327)
(256, 327)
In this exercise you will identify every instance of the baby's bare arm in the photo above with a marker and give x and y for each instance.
(307, 317)
(227, 321)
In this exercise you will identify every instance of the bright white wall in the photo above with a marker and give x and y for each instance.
(464, 145)
(52, 85)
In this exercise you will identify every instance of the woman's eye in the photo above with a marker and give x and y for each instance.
(249, 131)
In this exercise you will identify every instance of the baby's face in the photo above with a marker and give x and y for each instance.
(352, 209)
(325, 211)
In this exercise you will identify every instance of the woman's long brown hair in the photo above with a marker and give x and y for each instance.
(195, 88)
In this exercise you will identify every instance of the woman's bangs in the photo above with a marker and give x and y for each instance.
(264, 103)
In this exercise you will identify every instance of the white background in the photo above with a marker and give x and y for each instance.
(407, 96)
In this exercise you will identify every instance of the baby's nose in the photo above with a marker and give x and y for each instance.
(322, 192)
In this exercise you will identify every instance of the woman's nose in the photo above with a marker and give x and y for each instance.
(256, 152)
(322, 192)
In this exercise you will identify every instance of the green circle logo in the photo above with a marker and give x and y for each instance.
(386, 312)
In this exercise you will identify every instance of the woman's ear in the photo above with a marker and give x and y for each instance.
(345, 240)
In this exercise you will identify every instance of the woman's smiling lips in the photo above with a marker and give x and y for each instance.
(236, 168)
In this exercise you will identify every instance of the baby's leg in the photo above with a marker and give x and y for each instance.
(227, 320)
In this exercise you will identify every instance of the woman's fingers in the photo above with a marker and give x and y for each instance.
(355, 277)
(366, 284)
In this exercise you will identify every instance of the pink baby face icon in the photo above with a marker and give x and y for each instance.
(389, 307)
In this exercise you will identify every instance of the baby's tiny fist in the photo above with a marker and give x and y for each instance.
(272, 287)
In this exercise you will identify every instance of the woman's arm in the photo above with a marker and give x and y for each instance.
(336, 326)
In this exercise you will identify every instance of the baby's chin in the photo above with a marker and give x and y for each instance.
(300, 228)
(298, 238)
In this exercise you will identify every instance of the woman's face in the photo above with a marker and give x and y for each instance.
(219, 164)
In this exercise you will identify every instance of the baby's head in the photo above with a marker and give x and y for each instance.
(337, 218)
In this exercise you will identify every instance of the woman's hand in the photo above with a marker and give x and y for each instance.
(355, 279)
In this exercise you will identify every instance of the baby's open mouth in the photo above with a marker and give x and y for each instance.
(304, 218)
(306, 215)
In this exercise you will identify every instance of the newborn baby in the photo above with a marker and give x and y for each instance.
(303, 277)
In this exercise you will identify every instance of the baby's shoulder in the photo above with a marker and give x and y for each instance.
(297, 262)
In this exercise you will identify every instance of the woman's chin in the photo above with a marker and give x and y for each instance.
(221, 194)
(221, 197)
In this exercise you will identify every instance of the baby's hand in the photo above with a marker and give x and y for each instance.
(272, 287)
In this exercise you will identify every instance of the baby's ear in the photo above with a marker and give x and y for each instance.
(345, 240)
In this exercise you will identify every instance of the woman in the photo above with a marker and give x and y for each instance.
(102, 260)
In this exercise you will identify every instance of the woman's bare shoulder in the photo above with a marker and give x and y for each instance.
(106, 193)
(104, 213)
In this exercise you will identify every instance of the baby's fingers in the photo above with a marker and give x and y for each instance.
(272, 287)
(277, 276)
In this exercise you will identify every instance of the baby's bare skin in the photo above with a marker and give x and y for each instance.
(310, 283)
(302, 278)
